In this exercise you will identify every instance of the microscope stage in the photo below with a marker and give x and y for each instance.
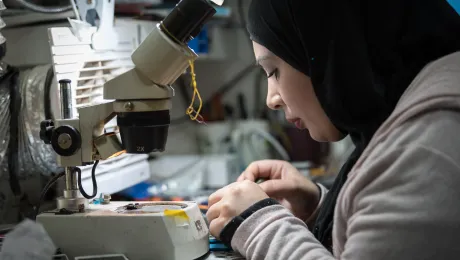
(139, 230)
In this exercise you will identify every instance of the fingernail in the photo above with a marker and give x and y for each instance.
(260, 180)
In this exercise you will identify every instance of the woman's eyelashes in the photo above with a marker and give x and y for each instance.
(274, 72)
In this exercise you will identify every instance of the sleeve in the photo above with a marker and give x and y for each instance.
(323, 192)
(402, 203)
(274, 233)
(229, 230)
(392, 218)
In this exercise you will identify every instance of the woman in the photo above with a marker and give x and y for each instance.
(387, 73)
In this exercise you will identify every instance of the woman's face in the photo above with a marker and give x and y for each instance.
(292, 91)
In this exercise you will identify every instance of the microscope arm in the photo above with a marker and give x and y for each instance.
(94, 141)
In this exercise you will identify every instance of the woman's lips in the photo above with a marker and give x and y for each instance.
(296, 121)
(298, 124)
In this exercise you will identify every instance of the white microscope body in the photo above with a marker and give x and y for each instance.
(141, 100)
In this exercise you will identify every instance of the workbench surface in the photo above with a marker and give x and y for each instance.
(224, 256)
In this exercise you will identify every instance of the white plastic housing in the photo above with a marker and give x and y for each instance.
(161, 59)
(158, 61)
(137, 235)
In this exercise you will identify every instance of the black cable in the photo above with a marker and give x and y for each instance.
(5, 229)
(93, 178)
(258, 105)
(243, 22)
(47, 95)
(13, 145)
(43, 9)
(258, 110)
(50, 183)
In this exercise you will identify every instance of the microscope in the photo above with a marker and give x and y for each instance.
(140, 99)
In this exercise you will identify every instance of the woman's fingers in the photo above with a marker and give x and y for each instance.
(266, 169)
(278, 188)
(213, 212)
(215, 197)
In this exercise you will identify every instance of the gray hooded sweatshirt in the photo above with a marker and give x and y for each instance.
(402, 197)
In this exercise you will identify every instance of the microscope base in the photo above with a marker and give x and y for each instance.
(148, 230)
(72, 200)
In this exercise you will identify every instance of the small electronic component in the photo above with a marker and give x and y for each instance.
(217, 245)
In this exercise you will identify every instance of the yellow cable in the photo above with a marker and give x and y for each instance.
(191, 112)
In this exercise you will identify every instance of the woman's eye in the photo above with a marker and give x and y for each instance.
(273, 73)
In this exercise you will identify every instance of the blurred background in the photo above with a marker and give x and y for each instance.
(38, 48)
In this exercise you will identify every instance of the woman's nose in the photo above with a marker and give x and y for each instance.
(274, 101)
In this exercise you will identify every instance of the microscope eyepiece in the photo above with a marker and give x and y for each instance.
(144, 132)
(186, 19)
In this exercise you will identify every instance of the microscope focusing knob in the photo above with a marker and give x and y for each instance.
(46, 131)
(66, 140)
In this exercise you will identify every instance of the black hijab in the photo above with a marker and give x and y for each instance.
(360, 55)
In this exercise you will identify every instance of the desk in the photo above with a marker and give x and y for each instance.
(209, 256)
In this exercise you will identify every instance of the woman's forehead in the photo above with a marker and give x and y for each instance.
(261, 52)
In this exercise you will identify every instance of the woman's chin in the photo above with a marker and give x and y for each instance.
(322, 137)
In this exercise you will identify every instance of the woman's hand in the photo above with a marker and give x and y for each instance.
(286, 185)
(231, 201)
